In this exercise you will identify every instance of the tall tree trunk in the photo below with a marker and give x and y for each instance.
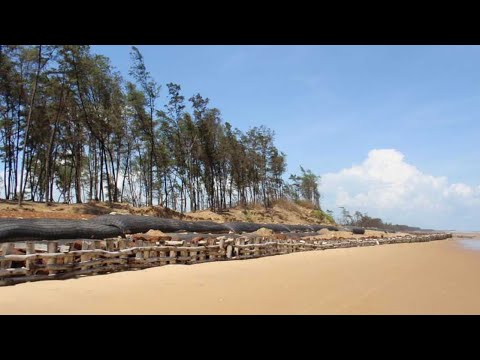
(48, 157)
(125, 172)
(107, 174)
(29, 116)
(95, 167)
(114, 176)
(78, 173)
(100, 191)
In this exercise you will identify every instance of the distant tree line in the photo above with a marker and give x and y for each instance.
(363, 220)
(73, 130)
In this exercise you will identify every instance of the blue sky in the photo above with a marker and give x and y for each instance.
(330, 106)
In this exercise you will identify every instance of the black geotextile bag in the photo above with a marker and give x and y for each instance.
(299, 228)
(316, 227)
(239, 227)
(52, 229)
(131, 224)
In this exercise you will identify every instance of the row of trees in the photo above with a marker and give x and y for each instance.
(363, 220)
(73, 130)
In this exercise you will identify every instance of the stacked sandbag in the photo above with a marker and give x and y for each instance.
(132, 224)
(52, 229)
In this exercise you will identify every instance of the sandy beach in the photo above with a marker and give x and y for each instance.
(438, 277)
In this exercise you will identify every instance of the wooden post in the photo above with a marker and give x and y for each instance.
(184, 254)
(221, 250)
(110, 244)
(212, 254)
(237, 250)
(273, 247)
(30, 249)
(173, 257)
(139, 254)
(162, 255)
(193, 257)
(243, 240)
(68, 259)
(229, 251)
(7, 249)
(256, 249)
(85, 257)
(154, 254)
(96, 244)
(202, 256)
(122, 244)
(147, 253)
(52, 247)
(59, 260)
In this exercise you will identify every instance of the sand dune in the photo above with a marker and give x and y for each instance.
(438, 277)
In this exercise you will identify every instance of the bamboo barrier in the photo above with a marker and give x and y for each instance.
(48, 260)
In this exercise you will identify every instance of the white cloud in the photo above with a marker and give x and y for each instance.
(387, 186)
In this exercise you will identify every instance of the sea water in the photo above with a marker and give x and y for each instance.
(470, 244)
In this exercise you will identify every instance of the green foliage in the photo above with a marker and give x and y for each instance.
(323, 216)
(304, 187)
(95, 136)
(248, 216)
(305, 203)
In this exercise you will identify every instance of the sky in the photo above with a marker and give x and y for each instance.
(392, 130)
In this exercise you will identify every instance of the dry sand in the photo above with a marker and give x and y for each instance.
(325, 234)
(283, 212)
(438, 277)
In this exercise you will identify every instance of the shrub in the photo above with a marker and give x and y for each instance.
(323, 216)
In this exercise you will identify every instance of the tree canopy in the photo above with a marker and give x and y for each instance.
(72, 129)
